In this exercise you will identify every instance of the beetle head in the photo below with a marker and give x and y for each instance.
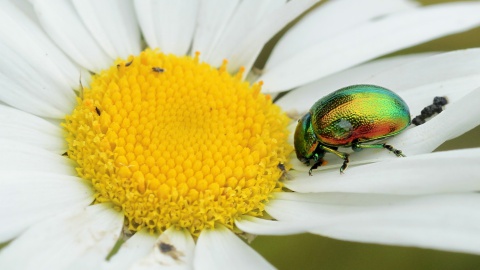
(305, 140)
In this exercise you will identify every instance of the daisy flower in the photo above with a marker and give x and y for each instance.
(133, 140)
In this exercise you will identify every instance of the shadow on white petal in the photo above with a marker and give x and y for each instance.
(27, 9)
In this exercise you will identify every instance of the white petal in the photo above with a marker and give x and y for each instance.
(213, 17)
(173, 250)
(29, 197)
(260, 226)
(246, 17)
(22, 93)
(222, 249)
(35, 79)
(23, 127)
(78, 240)
(441, 66)
(64, 26)
(369, 41)
(445, 222)
(246, 51)
(345, 13)
(416, 80)
(321, 207)
(113, 24)
(135, 248)
(168, 25)
(302, 98)
(24, 157)
(18, 32)
(146, 20)
(452, 74)
(448, 222)
(423, 174)
(318, 209)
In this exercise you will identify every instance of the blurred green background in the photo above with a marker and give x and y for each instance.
(308, 251)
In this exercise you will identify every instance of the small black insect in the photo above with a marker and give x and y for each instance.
(98, 111)
(65, 154)
(430, 110)
(170, 250)
(126, 64)
(158, 69)
(164, 247)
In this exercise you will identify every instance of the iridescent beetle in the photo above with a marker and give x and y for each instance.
(352, 117)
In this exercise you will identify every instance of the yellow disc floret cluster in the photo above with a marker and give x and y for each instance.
(174, 142)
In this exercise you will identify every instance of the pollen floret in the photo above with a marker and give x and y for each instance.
(174, 142)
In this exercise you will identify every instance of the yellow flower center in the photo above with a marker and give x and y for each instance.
(174, 142)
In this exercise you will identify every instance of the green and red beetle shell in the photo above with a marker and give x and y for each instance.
(348, 117)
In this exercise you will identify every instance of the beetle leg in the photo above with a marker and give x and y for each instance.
(390, 148)
(341, 155)
(315, 165)
(345, 163)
